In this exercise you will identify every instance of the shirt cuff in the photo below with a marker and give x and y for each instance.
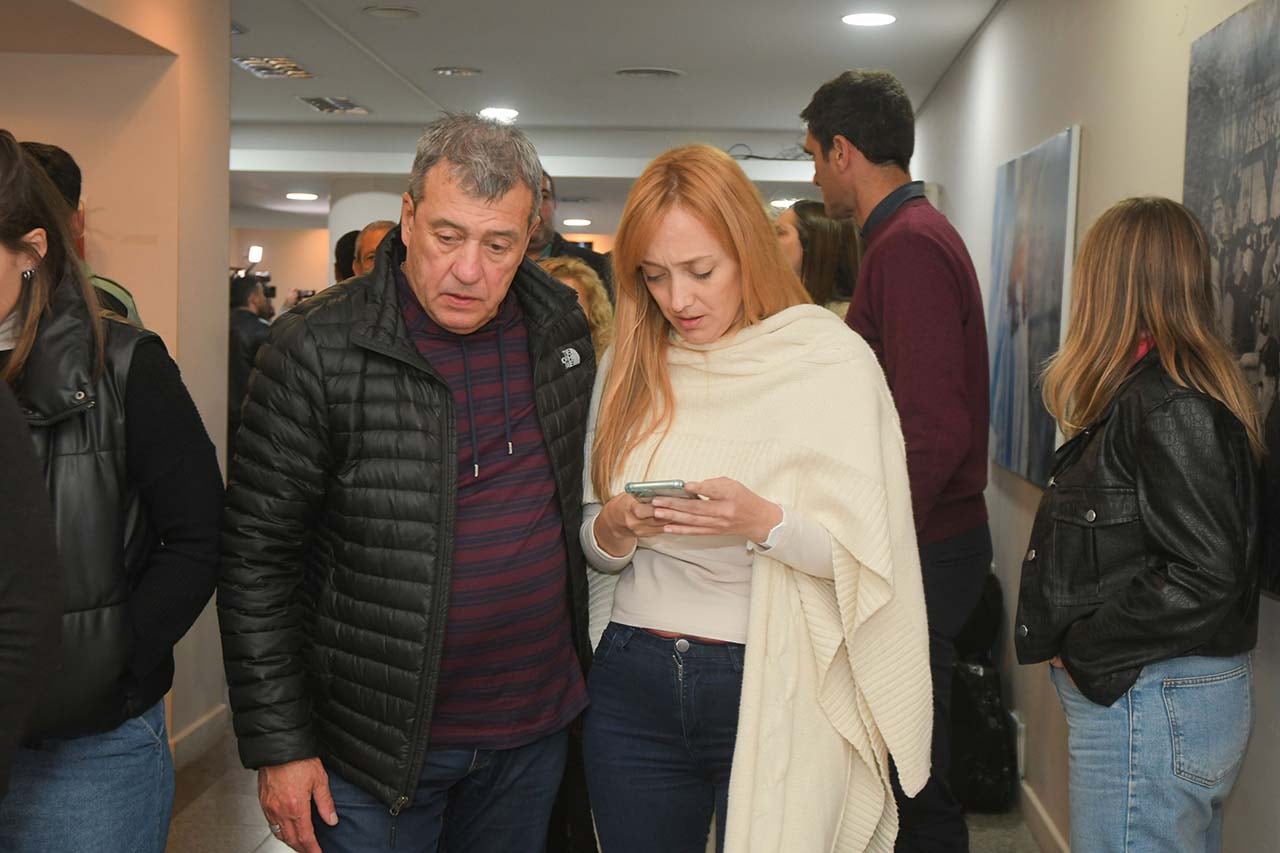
(600, 559)
(800, 543)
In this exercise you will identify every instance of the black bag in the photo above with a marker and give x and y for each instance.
(984, 761)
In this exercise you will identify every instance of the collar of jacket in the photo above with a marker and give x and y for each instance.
(57, 380)
(379, 324)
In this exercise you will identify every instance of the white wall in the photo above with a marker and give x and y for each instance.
(1119, 69)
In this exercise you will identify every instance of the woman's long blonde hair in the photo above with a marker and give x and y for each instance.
(599, 312)
(1144, 269)
(707, 184)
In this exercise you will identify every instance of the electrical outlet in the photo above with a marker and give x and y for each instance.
(1020, 741)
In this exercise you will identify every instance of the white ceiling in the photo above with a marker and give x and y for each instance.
(751, 66)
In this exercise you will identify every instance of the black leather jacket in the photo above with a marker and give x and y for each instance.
(1146, 543)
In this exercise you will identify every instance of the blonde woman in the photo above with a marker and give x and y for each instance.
(1140, 584)
(592, 297)
(766, 649)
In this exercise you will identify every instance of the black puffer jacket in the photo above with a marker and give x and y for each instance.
(338, 535)
(1146, 544)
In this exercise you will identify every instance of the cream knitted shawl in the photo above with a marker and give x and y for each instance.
(837, 671)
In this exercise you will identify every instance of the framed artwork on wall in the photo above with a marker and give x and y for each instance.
(1032, 249)
(1231, 182)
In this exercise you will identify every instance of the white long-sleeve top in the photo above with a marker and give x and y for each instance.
(701, 585)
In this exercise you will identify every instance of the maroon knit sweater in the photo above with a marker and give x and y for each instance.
(919, 307)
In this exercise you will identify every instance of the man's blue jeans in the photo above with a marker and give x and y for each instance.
(658, 739)
(467, 801)
(106, 793)
(1150, 773)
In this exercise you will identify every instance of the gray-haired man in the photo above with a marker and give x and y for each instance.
(403, 613)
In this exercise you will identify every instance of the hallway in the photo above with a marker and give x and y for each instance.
(216, 810)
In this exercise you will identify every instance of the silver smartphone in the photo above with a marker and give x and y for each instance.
(649, 489)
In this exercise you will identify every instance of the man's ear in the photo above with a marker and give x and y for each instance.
(843, 153)
(406, 218)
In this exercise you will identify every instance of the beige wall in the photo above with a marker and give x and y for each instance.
(1119, 69)
(297, 258)
(151, 133)
(601, 243)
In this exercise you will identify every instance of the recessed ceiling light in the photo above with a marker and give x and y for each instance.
(394, 13)
(301, 196)
(577, 223)
(646, 73)
(346, 106)
(272, 67)
(506, 115)
(869, 19)
(456, 71)
(783, 203)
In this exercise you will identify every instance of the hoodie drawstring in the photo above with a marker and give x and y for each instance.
(471, 406)
(471, 411)
(506, 401)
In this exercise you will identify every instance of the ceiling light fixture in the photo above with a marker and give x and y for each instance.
(456, 71)
(301, 196)
(272, 67)
(869, 19)
(344, 106)
(647, 73)
(577, 223)
(391, 13)
(783, 203)
(505, 115)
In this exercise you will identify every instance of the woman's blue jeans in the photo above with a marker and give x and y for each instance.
(105, 793)
(1150, 773)
(658, 739)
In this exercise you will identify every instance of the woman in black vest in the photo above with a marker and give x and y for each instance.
(136, 497)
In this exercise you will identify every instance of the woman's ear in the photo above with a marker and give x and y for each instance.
(37, 239)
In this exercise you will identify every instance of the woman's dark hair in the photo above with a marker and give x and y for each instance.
(29, 200)
(832, 252)
(868, 108)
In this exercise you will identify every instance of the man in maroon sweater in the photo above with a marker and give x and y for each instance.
(918, 305)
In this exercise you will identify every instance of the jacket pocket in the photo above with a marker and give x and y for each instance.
(1095, 532)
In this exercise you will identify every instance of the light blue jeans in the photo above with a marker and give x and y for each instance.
(106, 793)
(1151, 772)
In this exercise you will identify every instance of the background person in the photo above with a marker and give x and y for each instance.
(367, 245)
(919, 307)
(592, 297)
(546, 242)
(728, 682)
(251, 314)
(824, 252)
(403, 596)
(344, 256)
(1140, 583)
(136, 496)
(63, 170)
